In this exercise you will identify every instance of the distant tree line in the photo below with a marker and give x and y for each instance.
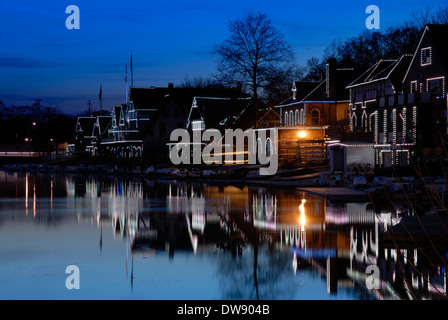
(257, 58)
(364, 50)
(42, 127)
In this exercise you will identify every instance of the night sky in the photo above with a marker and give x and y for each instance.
(170, 40)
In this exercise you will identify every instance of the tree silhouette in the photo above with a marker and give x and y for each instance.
(253, 53)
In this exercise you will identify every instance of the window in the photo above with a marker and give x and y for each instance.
(291, 118)
(364, 120)
(436, 85)
(297, 121)
(315, 117)
(414, 86)
(286, 118)
(354, 121)
(426, 56)
(198, 125)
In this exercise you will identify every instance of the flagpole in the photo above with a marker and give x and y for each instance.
(126, 83)
(101, 97)
(132, 72)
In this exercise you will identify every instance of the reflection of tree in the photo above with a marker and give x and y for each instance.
(262, 275)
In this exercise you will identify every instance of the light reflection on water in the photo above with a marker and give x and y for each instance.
(144, 239)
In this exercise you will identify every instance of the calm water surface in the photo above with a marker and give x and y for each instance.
(135, 238)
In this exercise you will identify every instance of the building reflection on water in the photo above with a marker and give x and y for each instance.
(286, 228)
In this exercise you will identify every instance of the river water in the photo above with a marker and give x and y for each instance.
(139, 238)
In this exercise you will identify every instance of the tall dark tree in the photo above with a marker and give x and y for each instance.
(278, 87)
(367, 48)
(315, 69)
(253, 53)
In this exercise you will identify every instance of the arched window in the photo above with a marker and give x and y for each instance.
(364, 120)
(297, 120)
(354, 121)
(286, 118)
(291, 118)
(315, 117)
(302, 117)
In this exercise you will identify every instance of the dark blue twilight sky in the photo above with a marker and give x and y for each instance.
(170, 39)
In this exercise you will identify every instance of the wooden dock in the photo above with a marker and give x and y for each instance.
(338, 194)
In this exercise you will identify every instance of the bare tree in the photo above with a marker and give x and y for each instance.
(199, 82)
(429, 15)
(252, 53)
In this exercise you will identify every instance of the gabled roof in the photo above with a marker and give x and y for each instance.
(436, 35)
(393, 70)
(217, 111)
(309, 92)
(157, 97)
(303, 88)
(103, 124)
(85, 124)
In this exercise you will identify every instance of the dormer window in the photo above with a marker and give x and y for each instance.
(426, 56)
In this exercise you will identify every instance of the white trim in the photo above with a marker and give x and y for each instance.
(422, 64)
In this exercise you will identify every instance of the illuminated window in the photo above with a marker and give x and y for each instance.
(297, 121)
(364, 121)
(426, 56)
(198, 125)
(286, 118)
(353, 122)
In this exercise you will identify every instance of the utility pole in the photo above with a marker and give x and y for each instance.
(38, 109)
(89, 108)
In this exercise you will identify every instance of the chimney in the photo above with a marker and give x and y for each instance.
(170, 85)
(294, 90)
(331, 78)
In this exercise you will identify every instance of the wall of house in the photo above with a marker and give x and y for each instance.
(420, 71)
(157, 135)
(314, 114)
